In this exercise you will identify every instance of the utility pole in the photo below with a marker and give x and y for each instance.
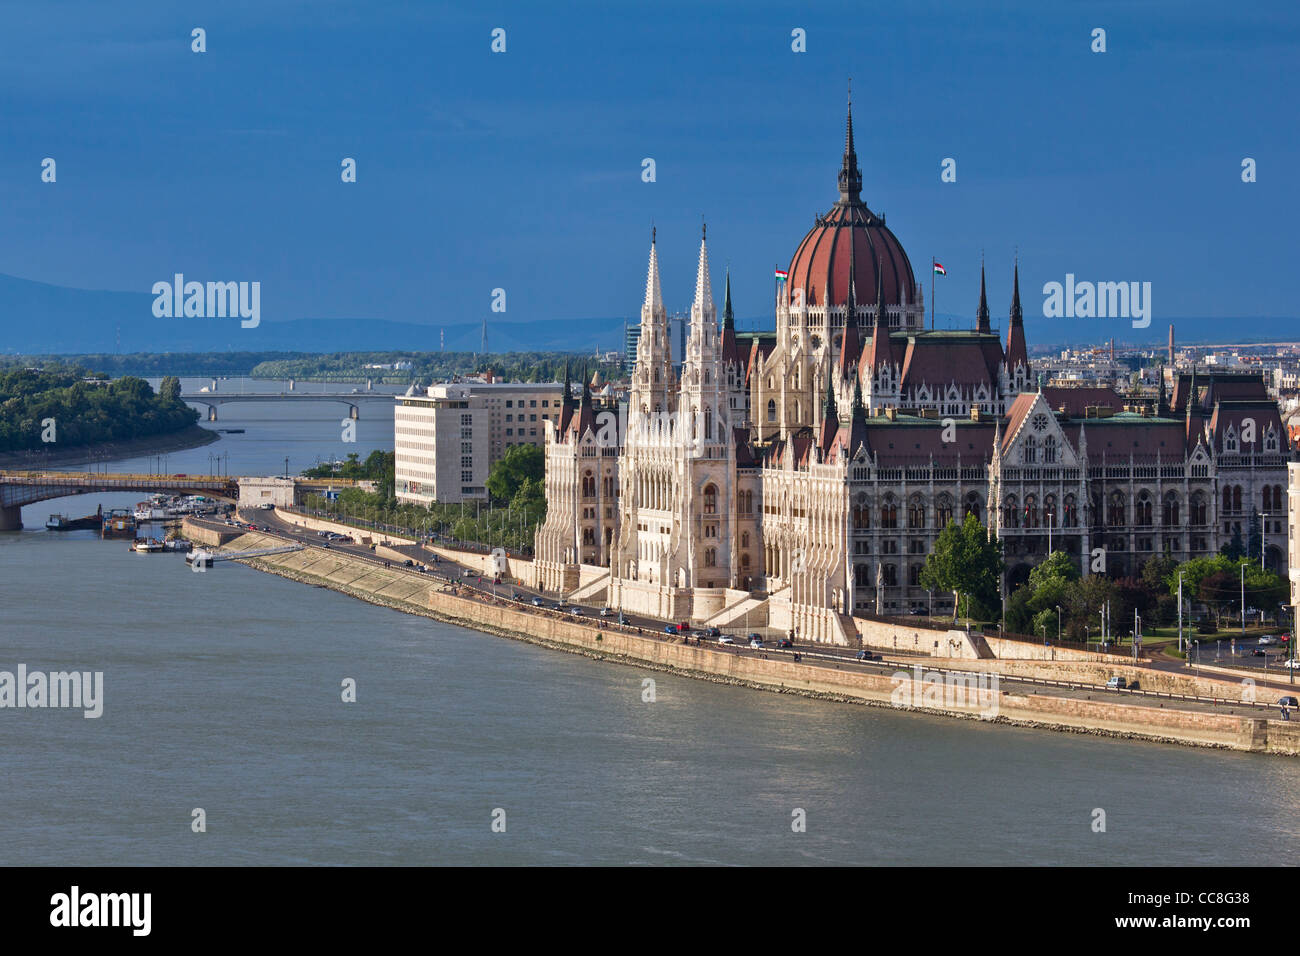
(1243, 600)
(1180, 612)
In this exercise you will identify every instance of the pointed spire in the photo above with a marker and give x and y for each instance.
(829, 411)
(703, 286)
(882, 351)
(654, 297)
(728, 320)
(850, 178)
(982, 313)
(1017, 353)
(859, 410)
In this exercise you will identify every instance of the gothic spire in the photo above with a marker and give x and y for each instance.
(1017, 353)
(728, 320)
(654, 297)
(982, 313)
(850, 178)
(703, 286)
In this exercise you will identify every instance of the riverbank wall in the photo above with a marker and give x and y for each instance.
(1245, 729)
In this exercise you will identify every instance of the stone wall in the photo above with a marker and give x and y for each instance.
(414, 593)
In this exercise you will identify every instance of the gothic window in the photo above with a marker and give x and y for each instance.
(914, 575)
(943, 511)
(1011, 512)
(1115, 510)
(708, 424)
(710, 500)
(971, 506)
(1270, 440)
(1071, 512)
(744, 562)
(1198, 509)
(1169, 513)
(862, 575)
(1227, 498)
(771, 409)
(1050, 513)
(1049, 450)
(1230, 440)
(710, 557)
(1029, 453)
(889, 513)
(1031, 511)
(1236, 497)
(1142, 510)
(891, 575)
(915, 512)
(588, 485)
(744, 539)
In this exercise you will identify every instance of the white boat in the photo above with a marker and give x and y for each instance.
(146, 546)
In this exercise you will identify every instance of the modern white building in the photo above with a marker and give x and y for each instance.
(447, 437)
(1293, 532)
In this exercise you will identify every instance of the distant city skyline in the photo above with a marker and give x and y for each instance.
(479, 171)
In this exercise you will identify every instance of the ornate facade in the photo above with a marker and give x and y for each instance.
(799, 476)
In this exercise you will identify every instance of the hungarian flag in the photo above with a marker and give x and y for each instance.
(782, 274)
(939, 270)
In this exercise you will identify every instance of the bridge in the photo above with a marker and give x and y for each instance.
(18, 488)
(211, 399)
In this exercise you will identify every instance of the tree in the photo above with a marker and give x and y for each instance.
(967, 563)
(169, 389)
(509, 472)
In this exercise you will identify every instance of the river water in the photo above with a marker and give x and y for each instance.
(222, 691)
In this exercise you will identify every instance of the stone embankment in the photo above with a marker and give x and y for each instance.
(1243, 729)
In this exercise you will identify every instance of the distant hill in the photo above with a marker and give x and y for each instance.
(38, 318)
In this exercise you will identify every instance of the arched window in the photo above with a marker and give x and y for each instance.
(588, 485)
(1198, 509)
(861, 513)
(889, 513)
(1142, 513)
(1031, 511)
(1011, 512)
(1049, 450)
(972, 506)
(744, 562)
(771, 409)
(1169, 513)
(710, 500)
(1115, 510)
(1029, 453)
(1268, 498)
(710, 557)
(1236, 497)
(1070, 514)
(915, 512)
(708, 424)
(744, 539)
(943, 510)
(1227, 498)
(1050, 514)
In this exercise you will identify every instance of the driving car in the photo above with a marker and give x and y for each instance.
(865, 655)
(1292, 664)
(785, 642)
(713, 632)
(1267, 639)
(537, 602)
(756, 642)
(670, 628)
(1288, 702)
(1116, 683)
(724, 639)
(576, 611)
(606, 611)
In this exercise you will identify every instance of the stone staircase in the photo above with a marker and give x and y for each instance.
(750, 611)
(590, 591)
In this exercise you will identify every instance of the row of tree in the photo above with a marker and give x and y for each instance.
(433, 366)
(967, 563)
(59, 406)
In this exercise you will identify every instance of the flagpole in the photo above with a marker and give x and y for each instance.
(932, 261)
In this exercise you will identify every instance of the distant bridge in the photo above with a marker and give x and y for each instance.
(351, 399)
(18, 488)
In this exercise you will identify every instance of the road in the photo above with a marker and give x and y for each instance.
(455, 575)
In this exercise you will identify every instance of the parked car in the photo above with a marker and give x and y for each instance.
(1116, 683)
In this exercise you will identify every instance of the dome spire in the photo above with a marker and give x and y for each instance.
(850, 179)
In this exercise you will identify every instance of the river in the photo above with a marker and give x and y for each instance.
(222, 691)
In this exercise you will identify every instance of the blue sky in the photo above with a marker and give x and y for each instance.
(522, 170)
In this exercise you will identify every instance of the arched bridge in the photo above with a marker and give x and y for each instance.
(350, 399)
(18, 488)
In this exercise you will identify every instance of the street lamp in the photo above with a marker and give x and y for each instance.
(1058, 623)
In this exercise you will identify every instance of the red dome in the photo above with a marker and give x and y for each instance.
(850, 238)
(851, 235)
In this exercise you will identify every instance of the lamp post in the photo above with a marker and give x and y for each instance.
(1058, 624)
(1243, 599)
(1180, 612)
